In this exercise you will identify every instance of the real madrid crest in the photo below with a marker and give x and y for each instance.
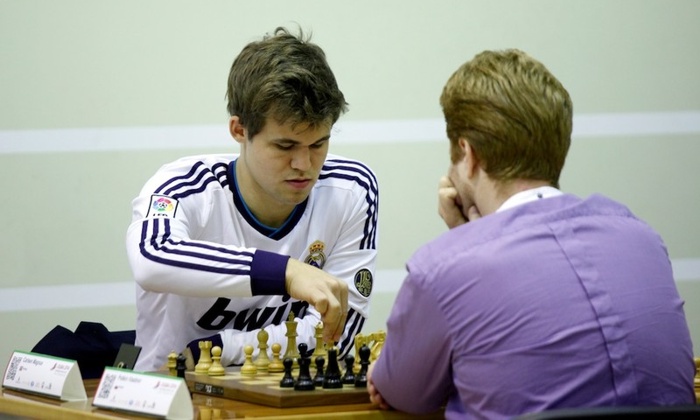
(316, 256)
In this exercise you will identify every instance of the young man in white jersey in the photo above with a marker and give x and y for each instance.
(224, 245)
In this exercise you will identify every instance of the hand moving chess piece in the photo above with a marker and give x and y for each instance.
(216, 368)
(361, 378)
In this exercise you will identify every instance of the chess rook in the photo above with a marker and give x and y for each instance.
(204, 362)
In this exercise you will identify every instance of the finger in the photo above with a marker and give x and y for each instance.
(329, 309)
(343, 311)
(445, 182)
(447, 194)
(473, 213)
(336, 311)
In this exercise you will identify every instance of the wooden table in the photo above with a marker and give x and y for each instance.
(205, 408)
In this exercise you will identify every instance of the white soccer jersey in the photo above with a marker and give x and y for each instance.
(204, 265)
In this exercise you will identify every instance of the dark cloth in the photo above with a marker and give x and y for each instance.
(92, 345)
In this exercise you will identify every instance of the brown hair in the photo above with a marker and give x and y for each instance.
(515, 114)
(285, 77)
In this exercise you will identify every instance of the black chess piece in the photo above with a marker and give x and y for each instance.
(332, 378)
(318, 379)
(349, 376)
(181, 365)
(287, 380)
(361, 378)
(304, 381)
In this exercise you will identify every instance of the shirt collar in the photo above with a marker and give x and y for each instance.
(527, 196)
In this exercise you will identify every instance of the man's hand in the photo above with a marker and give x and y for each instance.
(449, 204)
(374, 396)
(328, 294)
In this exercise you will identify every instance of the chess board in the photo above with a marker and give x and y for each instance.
(264, 388)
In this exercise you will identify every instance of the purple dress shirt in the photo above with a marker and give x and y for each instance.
(555, 303)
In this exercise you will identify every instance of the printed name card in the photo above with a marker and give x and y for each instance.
(144, 393)
(46, 375)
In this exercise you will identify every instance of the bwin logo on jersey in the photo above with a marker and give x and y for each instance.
(316, 256)
(162, 206)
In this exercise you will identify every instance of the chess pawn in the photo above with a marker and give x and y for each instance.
(181, 365)
(263, 361)
(248, 367)
(276, 364)
(349, 376)
(360, 340)
(361, 378)
(332, 378)
(172, 363)
(318, 379)
(291, 335)
(287, 380)
(216, 368)
(204, 357)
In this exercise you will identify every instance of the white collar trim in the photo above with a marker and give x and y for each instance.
(529, 195)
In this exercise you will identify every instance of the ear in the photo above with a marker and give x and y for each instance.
(237, 130)
(469, 157)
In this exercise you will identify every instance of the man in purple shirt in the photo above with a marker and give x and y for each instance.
(534, 299)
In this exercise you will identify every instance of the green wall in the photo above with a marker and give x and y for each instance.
(79, 78)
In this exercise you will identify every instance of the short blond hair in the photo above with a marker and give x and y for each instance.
(515, 114)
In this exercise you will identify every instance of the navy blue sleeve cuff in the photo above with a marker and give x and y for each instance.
(267, 273)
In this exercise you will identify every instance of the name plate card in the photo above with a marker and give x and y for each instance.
(144, 393)
(45, 375)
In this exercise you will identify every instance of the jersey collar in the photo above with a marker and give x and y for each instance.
(270, 232)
